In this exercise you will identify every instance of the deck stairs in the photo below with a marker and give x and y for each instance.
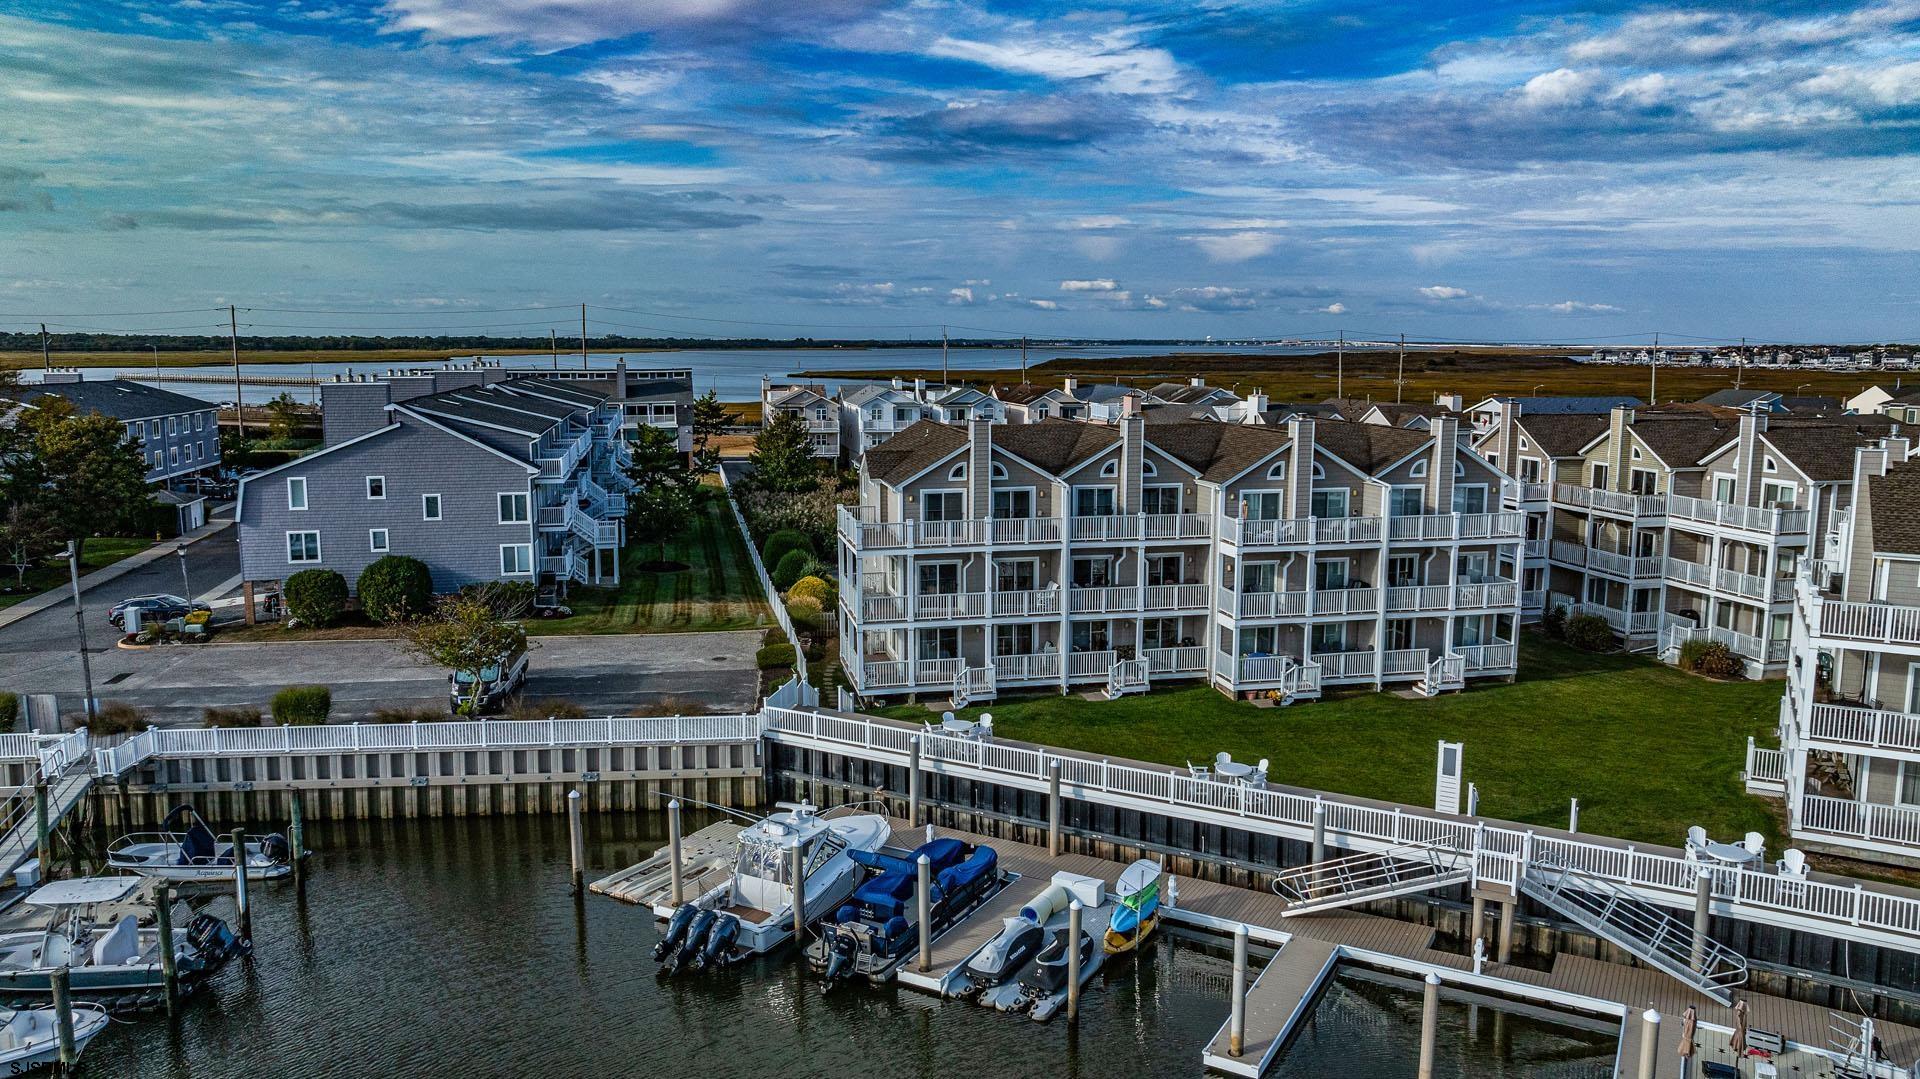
(1651, 934)
(974, 685)
(1850, 1040)
(1449, 672)
(1362, 878)
(1128, 676)
(67, 783)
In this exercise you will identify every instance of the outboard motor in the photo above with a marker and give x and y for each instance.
(277, 849)
(696, 935)
(726, 929)
(676, 932)
(842, 948)
(212, 941)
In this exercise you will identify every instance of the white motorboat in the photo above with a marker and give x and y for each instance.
(185, 849)
(117, 959)
(30, 1037)
(752, 913)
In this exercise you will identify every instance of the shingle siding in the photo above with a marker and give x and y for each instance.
(461, 548)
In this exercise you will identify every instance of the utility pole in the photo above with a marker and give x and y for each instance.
(583, 337)
(1023, 359)
(553, 342)
(239, 404)
(1653, 374)
(1400, 376)
(1340, 368)
(1740, 368)
(46, 349)
(943, 357)
(80, 623)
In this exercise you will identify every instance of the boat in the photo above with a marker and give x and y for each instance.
(30, 1037)
(878, 927)
(1023, 969)
(185, 849)
(1136, 908)
(752, 913)
(117, 960)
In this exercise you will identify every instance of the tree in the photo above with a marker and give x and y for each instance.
(81, 474)
(464, 636)
(26, 536)
(662, 500)
(283, 415)
(709, 423)
(782, 456)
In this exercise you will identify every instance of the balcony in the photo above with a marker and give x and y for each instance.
(1403, 661)
(1301, 531)
(859, 527)
(1886, 826)
(1498, 656)
(1176, 526)
(1569, 553)
(1852, 728)
(1426, 597)
(1534, 548)
(1026, 668)
(1265, 604)
(557, 462)
(1621, 565)
(1620, 503)
(1493, 592)
(1763, 519)
(1029, 604)
(1339, 601)
(1089, 664)
(1457, 526)
(1114, 528)
(1108, 600)
(1164, 598)
(1191, 659)
(1741, 644)
(1690, 573)
(1347, 665)
(1867, 623)
(882, 607)
(1276, 672)
(938, 606)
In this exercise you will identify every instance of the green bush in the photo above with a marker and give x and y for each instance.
(116, 717)
(395, 588)
(778, 544)
(1713, 659)
(317, 597)
(302, 706)
(9, 710)
(813, 588)
(1589, 633)
(803, 610)
(1690, 653)
(1553, 623)
(793, 566)
(237, 716)
(774, 655)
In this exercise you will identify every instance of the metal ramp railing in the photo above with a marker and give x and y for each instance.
(1649, 933)
(67, 767)
(1360, 878)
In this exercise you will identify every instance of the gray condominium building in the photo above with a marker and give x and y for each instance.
(176, 435)
(482, 476)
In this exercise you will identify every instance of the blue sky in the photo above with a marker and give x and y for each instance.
(1491, 170)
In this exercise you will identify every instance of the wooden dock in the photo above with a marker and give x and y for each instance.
(952, 949)
(706, 860)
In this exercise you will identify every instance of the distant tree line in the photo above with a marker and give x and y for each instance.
(133, 342)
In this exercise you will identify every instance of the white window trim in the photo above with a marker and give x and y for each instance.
(317, 556)
(1179, 494)
(959, 492)
(1032, 564)
(1398, 488)
(439, 506)
(1346, 572)
(1033, 500)
(1073, 502)
(957, 472)
(504, 548)
(1345, 493)
(1111, 468)
(368, 487)
(377, 546)
(291, 480)
(1179, 561)
(1418, 470)
(959, 575)
(1789, 486)
(513, 494)
(1244, 500)
(1485, 496)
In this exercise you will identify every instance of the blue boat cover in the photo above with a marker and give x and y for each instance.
(957, 880)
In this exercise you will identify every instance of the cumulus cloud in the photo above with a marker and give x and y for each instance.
(1444, 292)
(1334, 309)
(1559, 87)
(960, 296)
(1096, 284)
(1576, 307)
(1044, 305)
(1235, 246)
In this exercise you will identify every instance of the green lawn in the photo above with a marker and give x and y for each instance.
(1647, 749)
(717, 590)
(94, 553)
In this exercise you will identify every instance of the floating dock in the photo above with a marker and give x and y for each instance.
(706, 861)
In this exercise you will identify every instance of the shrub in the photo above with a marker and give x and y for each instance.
(793, 566)
(422, 713)
(239, 715)
(812, 588)
(803, 610)
(545, 708)
(9, 710)
(774, 655)
(302, 706)
(316, 597)
(786, 539)
(395, 588)
(1715, 660)
(1589, 633)
(116, 717)
(1690, 653)
(673, 706)
(1554, 622)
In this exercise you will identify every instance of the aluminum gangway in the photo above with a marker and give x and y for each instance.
(1362, 878)
(1649, 933)
(66, 766)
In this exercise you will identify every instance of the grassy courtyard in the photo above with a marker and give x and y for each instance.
(1647, 749)
(716, 590)
(97, 552)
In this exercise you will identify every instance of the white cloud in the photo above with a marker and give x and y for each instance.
(1113, 58)
(1885, 87)
(1334, 309)
(976, 281)
(1098, 284)
(1576, 307)
(1444, 292)
(1044, 305)
(1558, 88)
(1236, 246)
(961, 296)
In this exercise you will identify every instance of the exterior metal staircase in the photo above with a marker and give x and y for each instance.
(1649, 933)
(67, 766)
(973, 685)
(1362, 878)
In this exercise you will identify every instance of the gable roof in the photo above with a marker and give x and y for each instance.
(1368, 447)
(1682, 442)
(912, 451)
(1563, 406)
(1563, 434)
(1824, 452)
(1893, 497)
(117, 398)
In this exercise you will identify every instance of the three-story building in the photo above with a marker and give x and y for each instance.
(1260, 559)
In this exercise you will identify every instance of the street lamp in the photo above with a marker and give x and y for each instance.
(1537, 388)
(80, 625)
(186, 592)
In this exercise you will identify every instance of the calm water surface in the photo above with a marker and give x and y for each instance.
(450, 948)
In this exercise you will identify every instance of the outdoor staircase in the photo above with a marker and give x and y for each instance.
(1649, 933)
(67, 783)
(974, 684)
(1449, 672)
(1128, 676)
(1362, 878)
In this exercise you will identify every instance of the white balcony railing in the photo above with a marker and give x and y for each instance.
(1746, 518)
(1474, 595)
(1867, 623)
(1425, 597)
(948, 605)
(1089, 664)
(1028, 604)
(1268, 604)
(1114, 528)
(1108, 600)
(1622, 565)
(1403, 661)
(884, 674)
(1346, 664)
(1018, 530)
(1866, 728)
(1569, 553)
(1499, 656)
(882, 607)
(1892, 825)
(1685, 572)
(1170, 526)
(1189, 659)
(1346, 601)
(1020, 668)
(1175, 597)
(938, 672)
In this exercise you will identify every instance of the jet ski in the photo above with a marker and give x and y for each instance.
(1043, 990)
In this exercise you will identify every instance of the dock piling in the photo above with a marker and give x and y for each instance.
(240, 899)
(1649, 1040)
(678, 888)
(913, 781)
(297, 833)
(1053, 809)
(923, 867)
(1702, 916)
(1319, 838)
(1429, 1025)
(1573, 815)
(1237, 1022)
(1074, 914)
(63, 1019)
(169, 972)
(1509, 909)
(1479, 918)
(799, 898)
(44, 832)
(576, 843)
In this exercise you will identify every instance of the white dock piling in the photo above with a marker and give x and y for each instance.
(1649, 1040)
(1073, 961)
(1237, 1021)
(1053, 809)
(678, 883)
(799, 899)
(240, 898)
(923, 867)
(913, 781)
(1429, 1025)
(576, 844)
(1702, 917)
(1573, 815)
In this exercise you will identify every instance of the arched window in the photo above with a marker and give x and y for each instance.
(1459, 469)
(958, 472)
(1769, 464)
(1278, 471)
(1147, 469)
(1419, 469)
(999, 471)
(1111, 468)
(1319, 471)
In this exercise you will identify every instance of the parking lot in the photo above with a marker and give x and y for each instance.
(605, 674)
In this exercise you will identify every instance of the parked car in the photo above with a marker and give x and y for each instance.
(498, 680)
(155, 608)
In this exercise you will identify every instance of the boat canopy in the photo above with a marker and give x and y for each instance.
(84, 891)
